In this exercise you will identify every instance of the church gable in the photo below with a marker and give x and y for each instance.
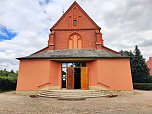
(75, 18)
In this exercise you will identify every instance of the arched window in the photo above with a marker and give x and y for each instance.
(75, 41)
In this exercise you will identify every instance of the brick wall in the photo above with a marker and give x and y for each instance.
(88, 39)
(85, 27)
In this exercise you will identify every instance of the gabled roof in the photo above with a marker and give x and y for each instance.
(72, 53)
(75, 3)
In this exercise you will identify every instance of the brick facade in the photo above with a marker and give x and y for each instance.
(85, 27)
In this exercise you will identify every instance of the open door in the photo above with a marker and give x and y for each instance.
(70, 78)
(84, 78)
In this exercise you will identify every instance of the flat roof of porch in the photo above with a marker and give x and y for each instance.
(74, 53)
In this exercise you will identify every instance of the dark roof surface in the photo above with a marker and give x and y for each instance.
(71, 53)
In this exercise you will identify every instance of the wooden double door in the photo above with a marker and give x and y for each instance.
(77, 78)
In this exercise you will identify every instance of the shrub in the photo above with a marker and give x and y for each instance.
(142, 86)
(7, 84)
(8, 80)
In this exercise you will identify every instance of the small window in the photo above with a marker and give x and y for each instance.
(75, 22)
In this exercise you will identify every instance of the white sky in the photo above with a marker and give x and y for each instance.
(124, 24)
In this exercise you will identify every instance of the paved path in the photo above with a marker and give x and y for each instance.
(139, 103)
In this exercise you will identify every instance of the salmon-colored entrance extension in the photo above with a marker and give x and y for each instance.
(75, 58)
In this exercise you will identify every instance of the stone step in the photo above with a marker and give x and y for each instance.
(71, 91)
(74, 96)
(71, 94)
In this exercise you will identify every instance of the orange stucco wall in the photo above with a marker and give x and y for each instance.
(112, 74)
(34, 74)
(92, 73)
(55, 73)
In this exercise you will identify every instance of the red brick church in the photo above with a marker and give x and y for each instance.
(75, 58)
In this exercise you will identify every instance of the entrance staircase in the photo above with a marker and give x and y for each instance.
(72, 94)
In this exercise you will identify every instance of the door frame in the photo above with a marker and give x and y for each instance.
(80, 78)
(67, 64)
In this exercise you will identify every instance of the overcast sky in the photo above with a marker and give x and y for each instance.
(25, 24)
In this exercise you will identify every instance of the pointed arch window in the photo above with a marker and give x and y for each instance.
(75, 42)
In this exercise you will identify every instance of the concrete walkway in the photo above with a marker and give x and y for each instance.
(139, 103)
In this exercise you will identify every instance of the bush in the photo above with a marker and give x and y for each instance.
(8, 80)
(7, 84)
(142, 86)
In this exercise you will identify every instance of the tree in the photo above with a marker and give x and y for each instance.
(139, 69)
(12, 71)
(1, 72)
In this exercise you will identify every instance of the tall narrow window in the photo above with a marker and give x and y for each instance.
(70, 22)
(79, 22)
(75, 22)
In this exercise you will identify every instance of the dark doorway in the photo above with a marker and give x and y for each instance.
(77, 78)
(63, 78)
(72, 75)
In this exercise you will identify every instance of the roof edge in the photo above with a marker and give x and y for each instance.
(112, 50)
(34, 52)
(40, 50)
